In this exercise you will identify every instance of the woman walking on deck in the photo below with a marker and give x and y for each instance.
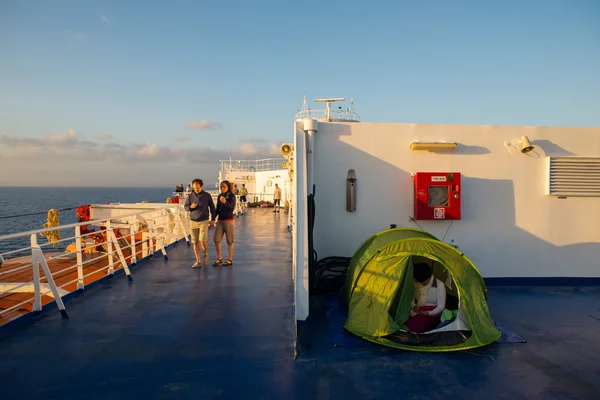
(225, 223)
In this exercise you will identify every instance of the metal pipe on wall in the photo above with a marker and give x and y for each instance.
(311, 126)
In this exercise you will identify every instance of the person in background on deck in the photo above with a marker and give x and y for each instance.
(428, 302)
(277, 198)
(237, 205)
(225, 223)
(199, 203)
(243, 198)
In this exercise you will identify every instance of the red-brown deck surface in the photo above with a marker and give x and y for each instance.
(64, 272)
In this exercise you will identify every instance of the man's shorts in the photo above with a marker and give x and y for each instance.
(243, 199)
(226, 227)
(277, 202)
(199, 231)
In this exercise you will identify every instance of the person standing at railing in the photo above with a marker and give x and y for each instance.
(225, 223)
(199, 203)
(243, 197)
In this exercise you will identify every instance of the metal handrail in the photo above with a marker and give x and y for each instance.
(156, 234)
(335, 115)
(62, 227)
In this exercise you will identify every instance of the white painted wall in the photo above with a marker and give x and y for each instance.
(299, 229)
(257, 183)
(241, 177)
(281, 177)
(509, 228)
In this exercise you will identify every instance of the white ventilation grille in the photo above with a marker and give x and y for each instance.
(573, 176)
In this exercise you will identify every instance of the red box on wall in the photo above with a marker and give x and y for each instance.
(437, 195)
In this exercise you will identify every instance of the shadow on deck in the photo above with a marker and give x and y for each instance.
(228, 333)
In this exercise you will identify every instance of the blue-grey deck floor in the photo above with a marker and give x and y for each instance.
(228, 333)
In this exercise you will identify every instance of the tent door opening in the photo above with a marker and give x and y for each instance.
(448, 330)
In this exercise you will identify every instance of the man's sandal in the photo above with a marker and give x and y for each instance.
(228, 262)
(217, 262)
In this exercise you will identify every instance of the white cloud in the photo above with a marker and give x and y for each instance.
(150, 150)
(182, 138)
(203, 125)
(254, 140)
(70, 147)
(106, 136)
(69, 160)
(105, 19)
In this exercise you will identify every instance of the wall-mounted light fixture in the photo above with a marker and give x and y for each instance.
(524, 147)
(433, 146)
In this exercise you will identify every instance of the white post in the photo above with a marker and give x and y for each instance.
(38, 258)
(132, 232)
(109, 248)
(151, 244)
(37, 303)
(145, 244)
(300, 228)
(80, 284)
(160, 242)
(113, 238)
(183, 229)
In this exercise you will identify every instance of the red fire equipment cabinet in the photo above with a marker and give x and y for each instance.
(437, 195)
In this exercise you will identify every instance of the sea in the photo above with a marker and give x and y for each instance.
(26, 208)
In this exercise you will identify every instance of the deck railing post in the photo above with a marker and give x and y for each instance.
(182, 230)
(37, 303)
(145, 239)
(109, 248)
(132, 233)
(113, 238)
(39, 260)
(152, 237)
(80, 284)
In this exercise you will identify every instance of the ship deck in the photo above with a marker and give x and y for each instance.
(228, 333)
(64, 273)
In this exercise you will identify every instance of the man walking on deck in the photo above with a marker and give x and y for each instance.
(199, 203)
(277, 198)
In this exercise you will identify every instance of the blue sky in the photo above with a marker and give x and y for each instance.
(132, 74)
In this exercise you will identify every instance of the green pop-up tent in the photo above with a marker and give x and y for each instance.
(379, 289)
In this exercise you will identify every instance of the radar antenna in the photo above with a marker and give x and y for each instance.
(329, 101)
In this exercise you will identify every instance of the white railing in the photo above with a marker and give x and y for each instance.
(266, 164)
(252, 197)
(336, 115)
(100, 251)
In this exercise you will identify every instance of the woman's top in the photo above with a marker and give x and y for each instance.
(432, 294)
(225, 210)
